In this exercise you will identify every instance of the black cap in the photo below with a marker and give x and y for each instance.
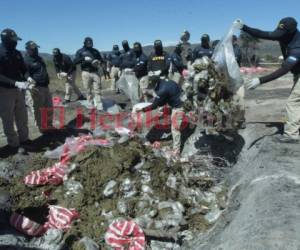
(137, 45)
(289, 24)
(124, 42)
(31, 45)
(116, 47)
(56, 51)
(10, 35)
(205, 36)
(157, 43)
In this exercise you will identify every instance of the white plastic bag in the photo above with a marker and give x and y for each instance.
(226, 63)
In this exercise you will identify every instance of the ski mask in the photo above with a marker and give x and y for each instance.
(32, 48)
(125, 46)
(57, 54)
(88, 42)
(115, 48)
(137, 47)
(185, 37)
(9, 39)
(287, 27)
(158, 47)
(205, 40)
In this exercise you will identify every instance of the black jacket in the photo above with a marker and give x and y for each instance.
(200, 52)
(127, 60)
(114, 59)
(140, 67)
(156, 62)
(168, 92)
(290, 47)
(177, 63)
(237, 53)
(64, 64)
(36, 69)
(12, 67)
(89, 52)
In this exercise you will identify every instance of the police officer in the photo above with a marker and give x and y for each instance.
(177, 65)
(42, 99)
(90, 59)
(168, 92)
(237, 50)
(159, 60)
(65, 69)
(12, 86)
(187, 52)
(127, 60)
(204, 49)
(140, 69)
(114, 61)
(288, 37)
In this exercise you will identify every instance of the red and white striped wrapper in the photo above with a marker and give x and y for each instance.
(123, 235)
(61, 218)
(26, 226)
(53, 175)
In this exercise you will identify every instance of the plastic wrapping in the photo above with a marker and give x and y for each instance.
(109, 188)
(226, 63)
(89, 244)
(72, 187)
(129, 84)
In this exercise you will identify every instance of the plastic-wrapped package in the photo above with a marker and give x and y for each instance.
(109, 188)
(72, 187)
(226, 63)
(89, 244)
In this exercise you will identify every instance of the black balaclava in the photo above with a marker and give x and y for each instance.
(289, 26)
(125, 46)
(138, 50)
(185, 37)
(158, 47)
(116, 48)
(57, 54)
(205, 40)
(88, 42)
(178, 49)
(9, 39)
(32, 48)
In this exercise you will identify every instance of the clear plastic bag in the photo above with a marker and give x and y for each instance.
(129, 84)
(226, 63)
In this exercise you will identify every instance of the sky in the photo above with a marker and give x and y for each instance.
(64, 24)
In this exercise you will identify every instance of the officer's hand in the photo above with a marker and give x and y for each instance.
(88, 59)
(23, 85)
(95, 63)
(31, 80)
(238, 24)
(63, 74)
(253, 84)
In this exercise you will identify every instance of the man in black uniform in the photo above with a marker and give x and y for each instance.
(90, 60)
(42, 99)
(65, 69)
(177, 65)
(288, 37)
(140, 68)
(12, 86)
(114, 61)
(204, 49)
(168, 92)
(159, 60)
(187, 52)
(127, 60)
